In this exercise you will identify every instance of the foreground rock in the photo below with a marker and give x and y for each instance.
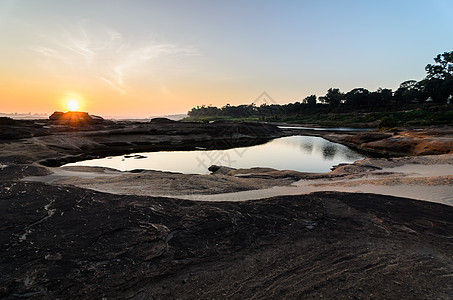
(70, 242)
(61, 241)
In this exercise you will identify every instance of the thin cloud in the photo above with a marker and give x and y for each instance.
(104, 53)
(114, 86)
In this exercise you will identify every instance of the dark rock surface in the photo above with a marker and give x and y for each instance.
(65, 242)
(73, 243)
(54, 145)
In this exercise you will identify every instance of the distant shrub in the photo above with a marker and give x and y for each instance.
(387, 122)
(7, 121)
(445, 117)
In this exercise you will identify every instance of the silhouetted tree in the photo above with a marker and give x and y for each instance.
(408, 92)
(408, 84)
(357, 98)
(310, 100)
(443, 67)
(438, 85)
(385, 97)
(204, 111)
(438, 89)
(333, 97)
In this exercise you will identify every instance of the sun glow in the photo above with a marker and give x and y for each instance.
(73, 104)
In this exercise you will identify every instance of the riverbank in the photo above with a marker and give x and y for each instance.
(59, 240)
(428, 178)
(410, 115)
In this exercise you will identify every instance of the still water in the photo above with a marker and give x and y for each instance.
(325, 128)
(299, 153)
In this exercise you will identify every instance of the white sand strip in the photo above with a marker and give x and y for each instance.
(438, 194)
(433, 193)
(59, 173)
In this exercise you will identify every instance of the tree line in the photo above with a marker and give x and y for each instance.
(436, 87)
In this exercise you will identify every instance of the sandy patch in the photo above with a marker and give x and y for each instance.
(428, 178)
(154, 183)
(64, 174)
(433, 193)
(414, 179)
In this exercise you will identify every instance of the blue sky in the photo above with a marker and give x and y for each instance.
(155, 57)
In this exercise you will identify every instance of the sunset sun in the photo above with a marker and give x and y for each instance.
(73, 105)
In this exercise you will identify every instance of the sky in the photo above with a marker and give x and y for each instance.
(145, 58)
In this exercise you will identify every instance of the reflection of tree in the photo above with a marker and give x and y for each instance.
(344, 152)
(303, 143)
(307, 146)
(329, 150)
(350, 154)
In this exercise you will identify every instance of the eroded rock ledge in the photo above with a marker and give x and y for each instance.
(403, 142)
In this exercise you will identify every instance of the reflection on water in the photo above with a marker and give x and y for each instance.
(300, 153)
(326, 129)
(329, 151)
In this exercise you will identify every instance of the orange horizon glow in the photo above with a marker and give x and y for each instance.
(118, 60)
(28, 96)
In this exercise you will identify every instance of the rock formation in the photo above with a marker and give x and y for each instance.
(61, 241)
(75, 118)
